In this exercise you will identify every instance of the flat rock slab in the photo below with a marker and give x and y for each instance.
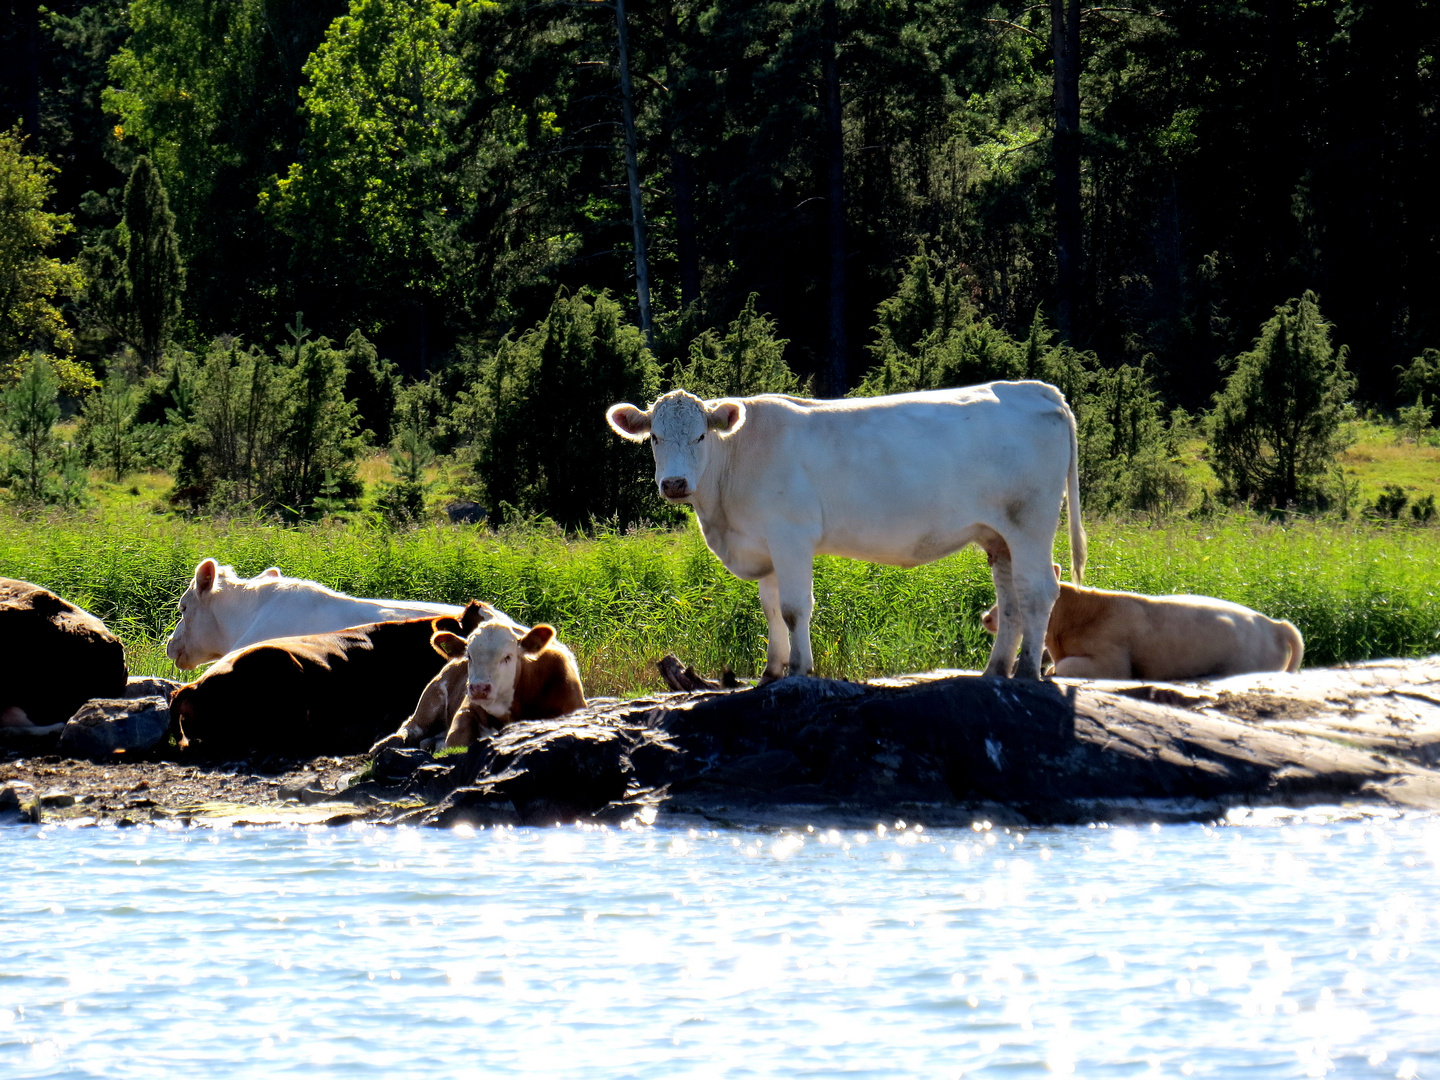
(944, 746)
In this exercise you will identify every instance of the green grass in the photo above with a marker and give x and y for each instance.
(621, 601)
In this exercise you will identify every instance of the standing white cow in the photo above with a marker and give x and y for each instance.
(220, 612)
(905, 479)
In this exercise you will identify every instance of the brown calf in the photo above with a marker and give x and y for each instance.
(514, 673)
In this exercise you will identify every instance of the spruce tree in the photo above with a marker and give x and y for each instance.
(1277, 425)
(137, 276)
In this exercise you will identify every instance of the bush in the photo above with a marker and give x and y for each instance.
(748, 360)
(930, 336)
(536, 413)
(40, 467)
(1277, 425)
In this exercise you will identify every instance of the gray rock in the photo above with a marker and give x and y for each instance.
(107, 726)
(306, 789)
(57, 798)
(142, 686)
(397, 763)
(465, 512)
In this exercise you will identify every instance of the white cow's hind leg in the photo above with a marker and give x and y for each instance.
(1007, 613)
(777, 648)
(1035, 590)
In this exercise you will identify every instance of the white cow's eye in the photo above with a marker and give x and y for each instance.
(701, 438)
(505, 659)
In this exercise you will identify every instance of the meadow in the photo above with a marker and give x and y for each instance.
(1356, 590)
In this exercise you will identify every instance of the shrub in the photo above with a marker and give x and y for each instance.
(40, 466)
(748, 360)
(536, 413)
(1277, 425)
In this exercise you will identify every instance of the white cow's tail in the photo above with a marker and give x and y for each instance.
(1072, 501)
(1294, 644)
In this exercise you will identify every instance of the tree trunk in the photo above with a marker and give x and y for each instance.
(1065, 42)
(836, 374)
(27, 79)
(632, 168)
(682, 172)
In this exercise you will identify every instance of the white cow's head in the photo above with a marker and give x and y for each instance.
(494, 651)
(199, 637)
(677, 425)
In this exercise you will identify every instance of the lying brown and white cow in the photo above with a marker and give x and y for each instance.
(445, 715)
(514, 673)
(1099, 634)
(320, 693)
(221, 612)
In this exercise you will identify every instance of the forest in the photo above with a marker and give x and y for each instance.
(248, 242)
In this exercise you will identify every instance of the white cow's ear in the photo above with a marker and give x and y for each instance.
(629, 422)
(273, 571)
(205, 575)
(448, 644)
(536, 640)
(727, 417)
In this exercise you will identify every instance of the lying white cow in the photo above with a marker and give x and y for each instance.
(220, 612)
(775, 480)
(1099, 634)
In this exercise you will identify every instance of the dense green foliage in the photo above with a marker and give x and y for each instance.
(430, 171)
(136, 277)
(837, 196)
(622, 601)
(33, 282)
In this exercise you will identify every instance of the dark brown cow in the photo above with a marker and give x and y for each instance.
(57, 657)
(321, 693)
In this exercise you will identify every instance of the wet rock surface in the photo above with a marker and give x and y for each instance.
(940, 748)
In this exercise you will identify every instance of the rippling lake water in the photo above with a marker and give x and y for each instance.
(1278, 946)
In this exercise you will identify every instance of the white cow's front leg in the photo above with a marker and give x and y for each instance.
(795, 575)
(777, 649)
(1007, 614)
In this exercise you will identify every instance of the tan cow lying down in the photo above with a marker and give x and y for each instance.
(1098, 634)
(320, 693)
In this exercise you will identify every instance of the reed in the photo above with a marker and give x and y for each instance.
(1356, 591)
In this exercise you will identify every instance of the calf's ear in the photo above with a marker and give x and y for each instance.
(205, 575)
(537, 639)
(629, 422)
(727, 417)
(448, 644)
(1056, 567)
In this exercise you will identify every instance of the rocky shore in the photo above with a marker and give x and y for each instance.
(938, 748)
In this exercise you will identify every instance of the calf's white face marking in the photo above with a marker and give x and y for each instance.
(494, 652)
(678, 426)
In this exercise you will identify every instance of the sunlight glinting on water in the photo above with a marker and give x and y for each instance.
(1275, 945)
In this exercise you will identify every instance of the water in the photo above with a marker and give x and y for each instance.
(1265, 949)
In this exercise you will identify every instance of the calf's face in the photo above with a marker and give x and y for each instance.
(494, 652)
(678, 426)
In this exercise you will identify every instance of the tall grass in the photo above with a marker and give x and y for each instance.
(622, 601)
